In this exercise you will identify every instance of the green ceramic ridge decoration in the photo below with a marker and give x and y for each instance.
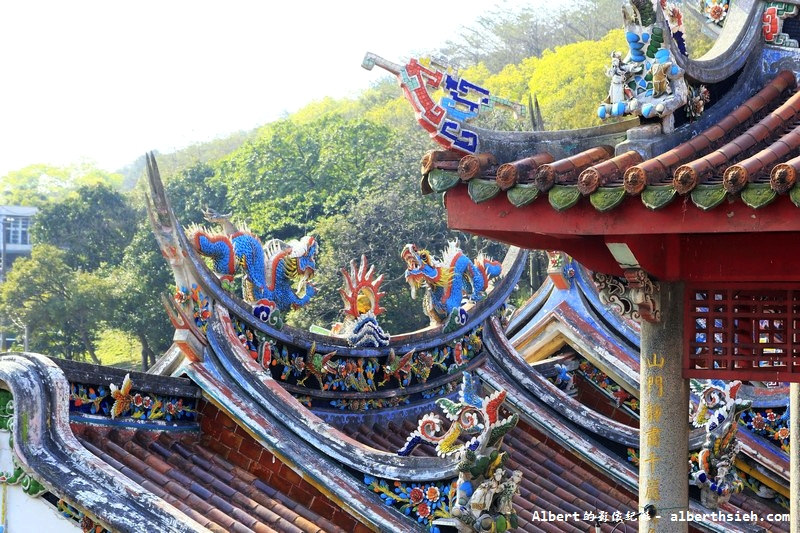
(657, 196)
(522, 194)
(606, 198)
(708, 196)
(6, 410)
(441, 180)
(482, 190)
(563, 197)
(757, 195)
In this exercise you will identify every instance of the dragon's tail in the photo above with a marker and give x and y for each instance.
(492, 268)
(488, 269)
(215, 246)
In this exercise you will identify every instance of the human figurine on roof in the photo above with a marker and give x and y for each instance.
(618, 73)
(646, 81)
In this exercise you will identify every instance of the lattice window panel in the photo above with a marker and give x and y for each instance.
(742, 331)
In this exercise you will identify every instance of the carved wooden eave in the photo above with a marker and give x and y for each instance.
(541, 324)
(635, 296)
(529, 382)
(577, 317)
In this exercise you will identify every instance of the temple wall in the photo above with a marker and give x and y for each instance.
(24, 512)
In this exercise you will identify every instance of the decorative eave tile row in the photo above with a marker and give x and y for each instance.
(753, 153)
(659, 170)
(389, 436)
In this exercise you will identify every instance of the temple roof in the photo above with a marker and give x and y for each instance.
(201, 483)
(747, 155)
(267, 437)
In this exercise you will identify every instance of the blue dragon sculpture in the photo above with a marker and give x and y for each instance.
(447, 281)
(275, 276)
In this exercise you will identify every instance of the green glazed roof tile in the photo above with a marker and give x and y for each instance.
(563, 197)
(482, 190)
(708, 196)
(657, 196)
(757, 195)
(441, 180)
(794, 194)
(522, 194)
(607, 198)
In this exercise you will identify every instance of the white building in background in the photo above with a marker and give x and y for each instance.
(15, 234)
(15, 241)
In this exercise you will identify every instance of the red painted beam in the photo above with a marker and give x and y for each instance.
(630, 217)
(731, 242)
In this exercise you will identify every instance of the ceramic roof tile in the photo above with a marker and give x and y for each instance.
(472, 166)
(568, 169)
(784, 175)
(522, 171)
(203, 485)
(750, 169)
(442, 159)
(608, 172)
(549, 483)
(648, 173)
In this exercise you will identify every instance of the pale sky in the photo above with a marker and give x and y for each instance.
(106, 81)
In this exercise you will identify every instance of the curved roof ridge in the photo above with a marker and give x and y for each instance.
(45, 444)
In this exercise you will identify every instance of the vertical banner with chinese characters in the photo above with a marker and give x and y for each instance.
(664, 404)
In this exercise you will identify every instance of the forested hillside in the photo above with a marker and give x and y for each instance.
(346, 171)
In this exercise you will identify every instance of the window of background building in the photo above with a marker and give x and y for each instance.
(17, 230)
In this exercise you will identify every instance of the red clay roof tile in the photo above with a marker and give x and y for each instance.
(205, 486)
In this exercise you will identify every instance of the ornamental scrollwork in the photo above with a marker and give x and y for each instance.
(329, 371)
(635, 296)
(614, 293)
(124, 402)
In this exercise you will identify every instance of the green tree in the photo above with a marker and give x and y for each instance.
(94, 225)
(63, 309)
(502, 38)
(294, 173)
(138, 283)
(193, 189)
(36, 185)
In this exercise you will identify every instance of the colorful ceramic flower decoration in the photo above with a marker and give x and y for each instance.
(717, 10)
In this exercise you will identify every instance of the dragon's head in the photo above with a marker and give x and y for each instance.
(304, 256)
(420, 267)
